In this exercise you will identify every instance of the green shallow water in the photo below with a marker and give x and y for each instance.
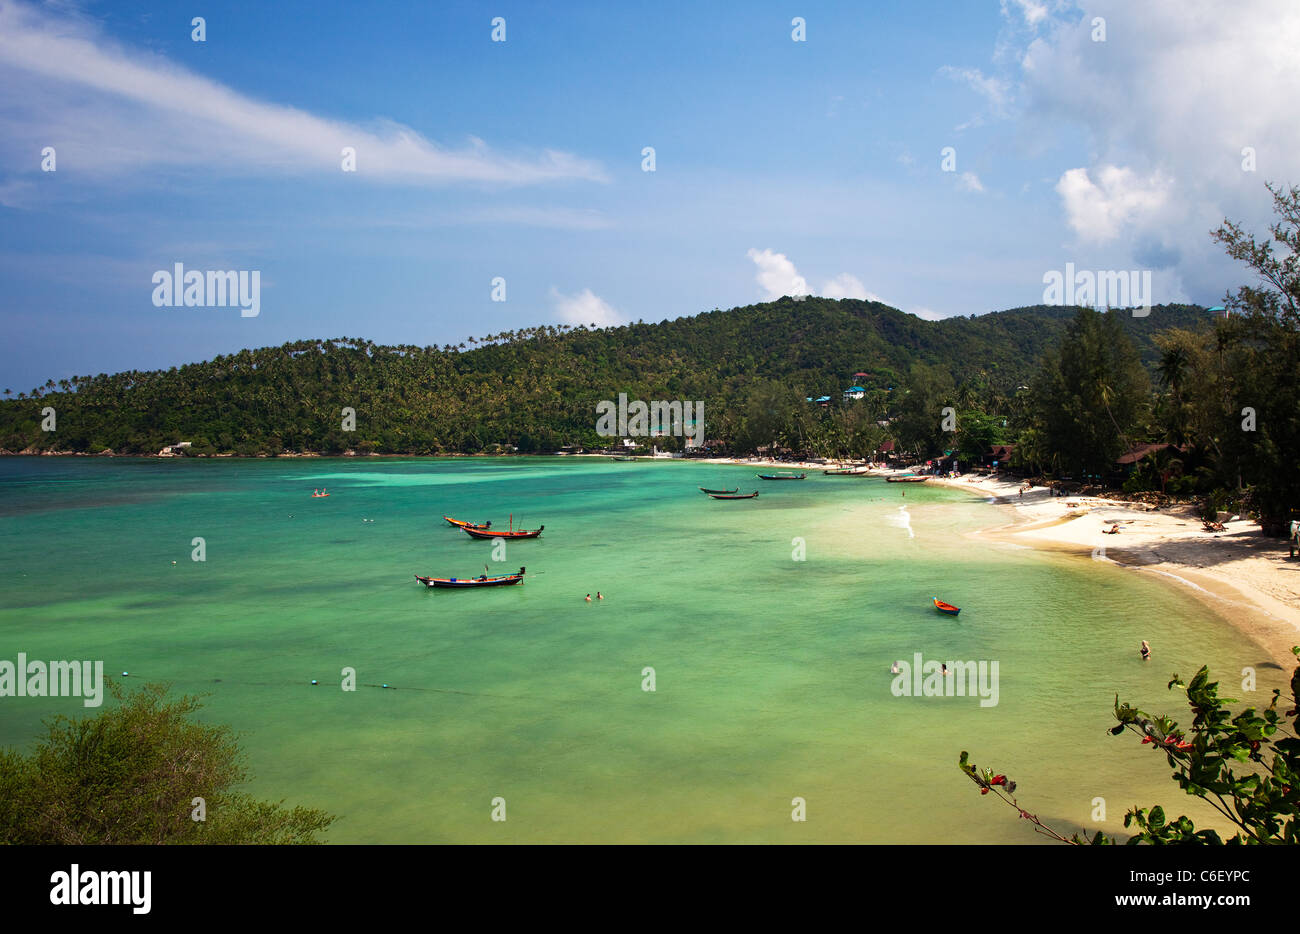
(772, 674)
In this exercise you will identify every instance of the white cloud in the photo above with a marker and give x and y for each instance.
(997, 91)
(117, 109)
(1099, 211)
(1034, 11)
(1166, 104)
(926, 313)
(847, 286)
(585, 308)
(969, 181)
(777, 275)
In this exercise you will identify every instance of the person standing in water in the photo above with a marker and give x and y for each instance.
(1146, 651)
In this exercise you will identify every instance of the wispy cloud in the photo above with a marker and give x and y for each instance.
(114, 108)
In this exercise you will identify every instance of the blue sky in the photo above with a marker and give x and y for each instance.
(780, 166)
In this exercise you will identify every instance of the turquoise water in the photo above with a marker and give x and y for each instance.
(772, 674)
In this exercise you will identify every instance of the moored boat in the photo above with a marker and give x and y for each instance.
(845, 472)
(719, 492)
(733, 496)
(945, 607)
(461, 523)
(906, 478)
(475, 531)
(782, 476)
(481, 581)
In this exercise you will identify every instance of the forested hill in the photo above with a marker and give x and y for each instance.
(536, 389)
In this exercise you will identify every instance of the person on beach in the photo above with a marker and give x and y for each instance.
(1146, 651)
(1295, 536)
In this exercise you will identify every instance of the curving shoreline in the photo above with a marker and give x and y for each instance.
(1243, 576)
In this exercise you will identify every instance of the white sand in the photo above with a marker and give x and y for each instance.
(1247, 578)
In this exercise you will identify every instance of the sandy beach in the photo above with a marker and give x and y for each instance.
(1247, 578)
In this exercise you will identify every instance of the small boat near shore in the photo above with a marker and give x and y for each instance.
(718, 492)
(619, 457)
(846, 472)
(947, 608)
(458, 583)
(753, 495)
(782, 476)
(906, 478)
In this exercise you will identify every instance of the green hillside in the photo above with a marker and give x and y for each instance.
(536, 389)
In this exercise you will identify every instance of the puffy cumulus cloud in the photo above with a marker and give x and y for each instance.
(969, 181)
(1168, 101)
(1099, 211)
(61, 78)
(585, 308)
(848, 286)
(777, 275)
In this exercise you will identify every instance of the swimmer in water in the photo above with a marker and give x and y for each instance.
(599, 595)
(588, 598)
(1146, 651)
(894, 669)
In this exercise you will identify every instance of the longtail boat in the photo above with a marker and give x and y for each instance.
(481, 581)
(906, 478)
(475, 531)
(782, 476)
(621, 458)
(845, 472)
(945, 607)
(730, 496)
(719, 492)
(461, 523)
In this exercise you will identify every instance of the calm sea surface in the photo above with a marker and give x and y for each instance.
(771, 674)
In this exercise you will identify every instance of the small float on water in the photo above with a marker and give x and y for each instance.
(463, 582)
(318, 494)
(946, 608)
